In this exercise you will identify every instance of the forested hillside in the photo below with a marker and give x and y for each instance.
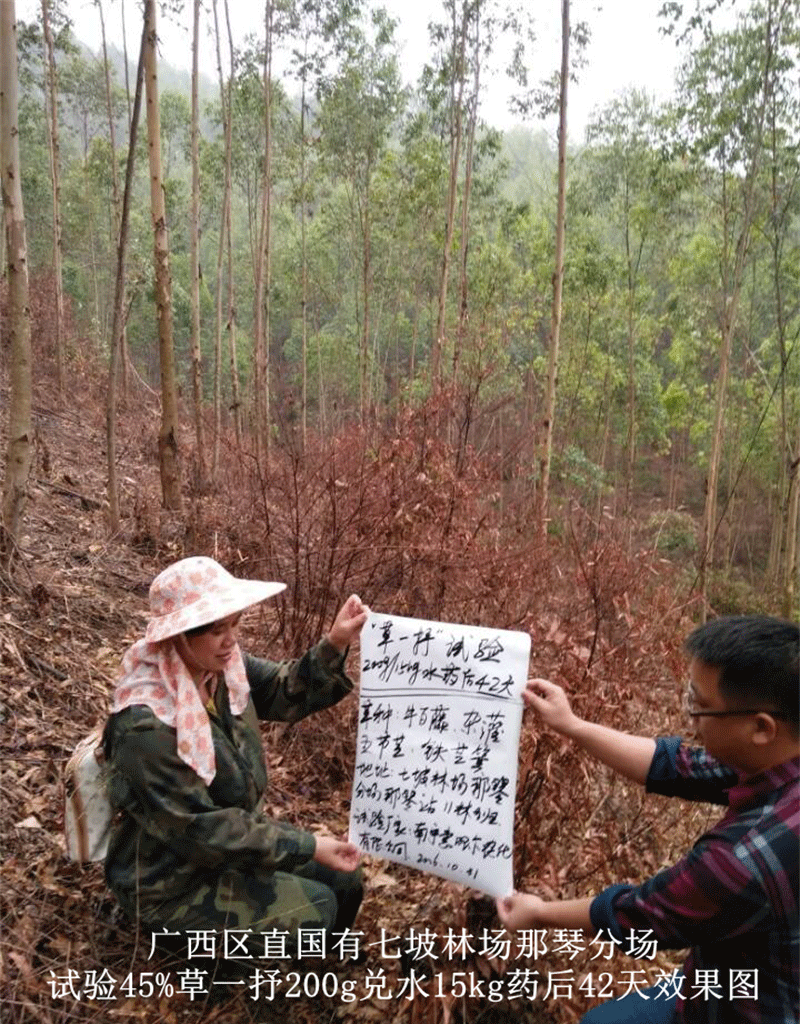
(396, 233)
(317, 325)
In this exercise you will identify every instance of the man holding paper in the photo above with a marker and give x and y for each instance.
(733, 899)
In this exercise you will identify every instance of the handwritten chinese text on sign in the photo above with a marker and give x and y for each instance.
(438, 736)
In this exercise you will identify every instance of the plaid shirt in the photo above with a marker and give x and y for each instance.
(733, 899)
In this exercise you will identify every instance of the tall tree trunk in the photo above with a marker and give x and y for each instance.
(226, 191)
(783, 560)
(463, 309)
(268, 44)
(791, 563)
(261, 286)
(366, 282)
(168, 449)
(303, 259)
(630, 452)
(19, 446)
(125, 59)
(412, 356)
(558, 280)
(117, 327)
(731, 295)
(115, 183)
(236, 402)
(197, 361)
(55, 177)
(124, 354)
(458, 75)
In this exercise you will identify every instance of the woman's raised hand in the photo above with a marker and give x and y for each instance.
(348, 622)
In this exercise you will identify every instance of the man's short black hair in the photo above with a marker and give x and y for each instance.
(757, 656)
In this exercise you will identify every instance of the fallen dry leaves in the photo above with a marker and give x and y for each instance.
(369, 520)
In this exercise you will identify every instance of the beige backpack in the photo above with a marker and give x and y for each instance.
(87, 811)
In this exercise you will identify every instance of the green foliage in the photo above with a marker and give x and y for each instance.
(654, 209)
(176, 117)
(730, 593)
(674, 532)
(574, 469)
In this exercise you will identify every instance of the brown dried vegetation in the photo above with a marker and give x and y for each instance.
(415, 528)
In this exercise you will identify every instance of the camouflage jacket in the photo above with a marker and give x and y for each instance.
(174, 831)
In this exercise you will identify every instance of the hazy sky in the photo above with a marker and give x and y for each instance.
(626, 48)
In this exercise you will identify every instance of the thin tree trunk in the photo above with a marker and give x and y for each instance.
(236, 402)
(366, 281)
(197, 361)
(125, 58)
(19, 445)
(270, 12)
(98, 317)
(55, 176)
(117, 328)
(115, 183)
(303, 258)
(220, 257)
(791, 564)
(261, 330)
(458, 74)
(168, 449)
(412, 357)
(783, 552)
(558, 280)
(463, 311)
(630, 454)
(731, 299)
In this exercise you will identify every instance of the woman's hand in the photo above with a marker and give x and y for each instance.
(519, 910)
(337, 854)
(348, 622)
(551, 704)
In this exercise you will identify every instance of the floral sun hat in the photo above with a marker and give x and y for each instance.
(196, 591)
(192, 592)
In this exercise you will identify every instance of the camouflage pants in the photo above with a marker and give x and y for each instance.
(312, 897)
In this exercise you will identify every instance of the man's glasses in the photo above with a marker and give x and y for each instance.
(692, 711)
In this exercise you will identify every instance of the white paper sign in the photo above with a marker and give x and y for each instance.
(436, 758)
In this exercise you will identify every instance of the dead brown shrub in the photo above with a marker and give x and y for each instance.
(417, 525)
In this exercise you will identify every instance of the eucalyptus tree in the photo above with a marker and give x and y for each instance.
(360, 106)
(451, 35)
(55, 173)
(255, 110)
(34, 139)
(421, 178)
(463, 41)
(88, 219)
(225, 243)
(116, 198)
(782, 185)
(628, 187)
(168, 448)
(116, 348)
(82, 83)
(316, 30)
(19, 437)
(263, 263)
(197, 365)
(558, 279)
(723, 90)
